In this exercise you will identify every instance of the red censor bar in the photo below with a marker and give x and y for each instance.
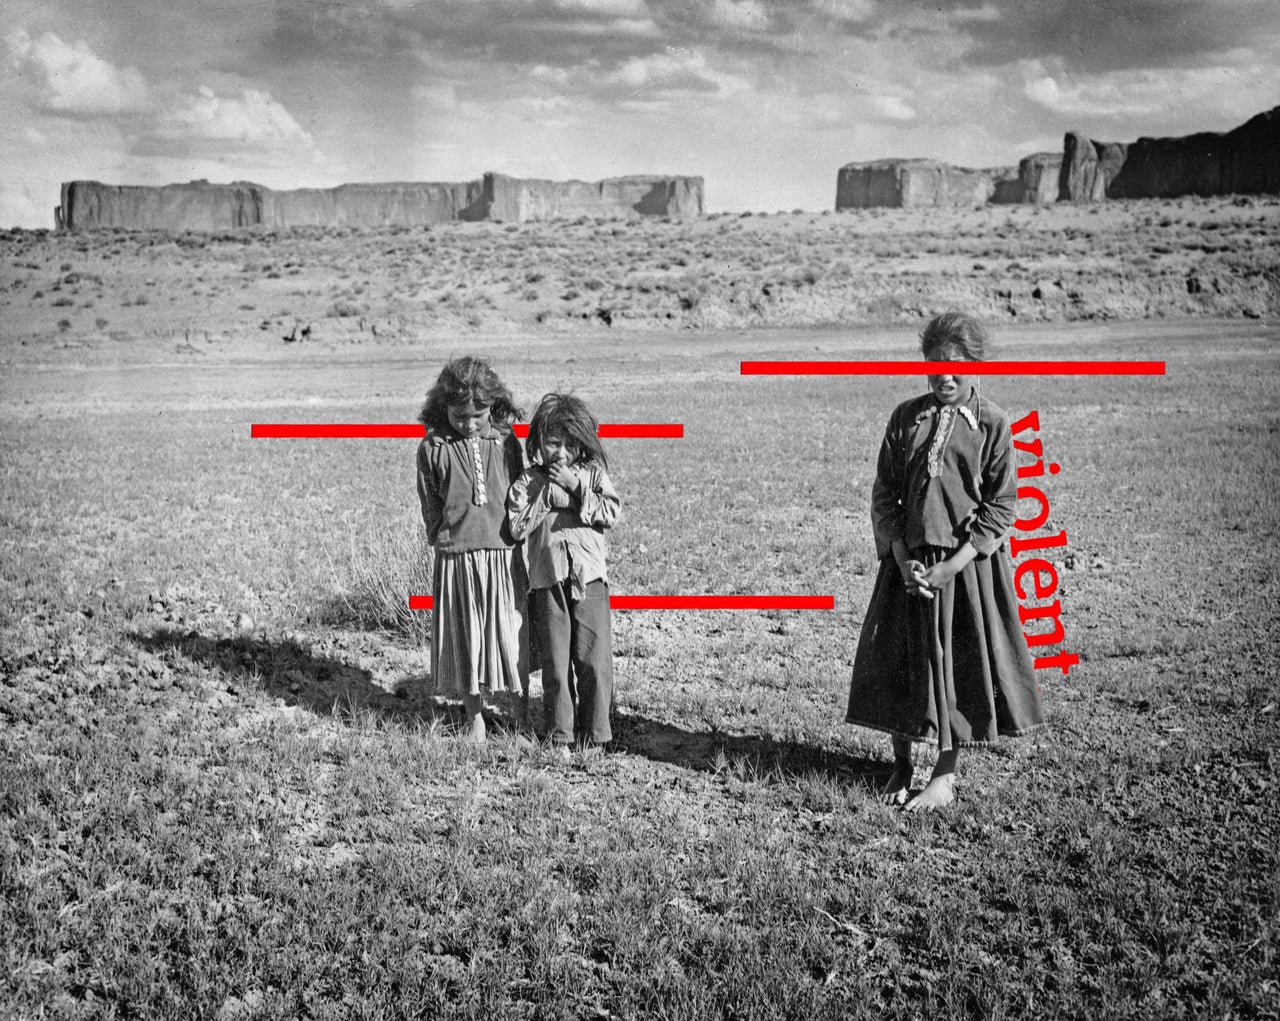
(625, 430)
(693, 602)
(416, 431)
(1071, 368)
(722, 602)
(335, 431)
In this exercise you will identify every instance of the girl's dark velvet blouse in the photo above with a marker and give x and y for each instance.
(973, 497)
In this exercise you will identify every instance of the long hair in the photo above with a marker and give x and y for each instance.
(567, 416)
(958, 330)
(464, 380)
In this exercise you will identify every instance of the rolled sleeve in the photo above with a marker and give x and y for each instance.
(527, 504)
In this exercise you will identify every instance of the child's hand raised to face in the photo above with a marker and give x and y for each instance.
(564, 477)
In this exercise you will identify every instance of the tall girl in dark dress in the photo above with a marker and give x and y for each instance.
(942, 659)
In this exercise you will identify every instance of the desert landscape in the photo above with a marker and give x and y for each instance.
(230, 791)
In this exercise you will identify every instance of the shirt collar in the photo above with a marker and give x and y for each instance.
(492, 433)
(969, 410)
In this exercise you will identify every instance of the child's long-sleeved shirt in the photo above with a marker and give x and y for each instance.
(462, 487)
(563, 542)
(945, 476)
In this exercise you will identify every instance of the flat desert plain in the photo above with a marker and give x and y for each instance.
(228, 790)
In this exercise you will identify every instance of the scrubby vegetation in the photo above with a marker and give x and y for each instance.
(1123, 260)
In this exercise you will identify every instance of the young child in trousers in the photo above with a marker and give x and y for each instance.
(561, 506)
(942, 659)
(465, 467)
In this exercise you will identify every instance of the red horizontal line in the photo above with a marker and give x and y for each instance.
(1013, 368)
(722, 602)
(335, 430)
(693, 602)
(416, 431)
(640, 430)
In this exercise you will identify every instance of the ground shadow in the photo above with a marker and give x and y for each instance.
(757, 755)
(284, 669)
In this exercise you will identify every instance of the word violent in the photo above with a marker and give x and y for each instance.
(1036, 578)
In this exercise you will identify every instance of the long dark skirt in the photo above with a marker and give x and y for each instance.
(952, 670)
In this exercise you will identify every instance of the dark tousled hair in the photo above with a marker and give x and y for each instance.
(567, 416)
(465, 380)
(958, 330)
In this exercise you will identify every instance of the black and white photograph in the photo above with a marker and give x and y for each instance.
(574, 510)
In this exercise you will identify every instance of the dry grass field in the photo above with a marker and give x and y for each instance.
(227, 790)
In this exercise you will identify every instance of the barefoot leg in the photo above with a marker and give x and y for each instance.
(940, 791)
(899, 786)
(475, 729)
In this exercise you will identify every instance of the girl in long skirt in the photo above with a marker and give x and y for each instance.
(942, 659)
(466, 463)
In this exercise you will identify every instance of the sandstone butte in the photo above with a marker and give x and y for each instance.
(201, 206)
(920, 182)
(1245, 160)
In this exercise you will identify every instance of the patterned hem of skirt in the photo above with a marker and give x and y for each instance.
(933, 741)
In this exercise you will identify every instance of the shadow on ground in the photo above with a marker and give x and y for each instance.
(757, 755)
(282, 668)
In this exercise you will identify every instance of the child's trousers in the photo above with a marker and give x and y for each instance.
(575, 633)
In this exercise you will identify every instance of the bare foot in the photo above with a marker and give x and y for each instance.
(938, 793)
(477, 732)
(895, 792)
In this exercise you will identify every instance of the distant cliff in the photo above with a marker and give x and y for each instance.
(1244, 161)
(908, 183)
(202, 206)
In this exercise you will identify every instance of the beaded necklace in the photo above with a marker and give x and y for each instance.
(478, 495)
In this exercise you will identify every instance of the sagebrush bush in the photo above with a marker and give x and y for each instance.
(375, 577)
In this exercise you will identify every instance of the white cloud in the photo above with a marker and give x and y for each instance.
(987, 12)
(73, 80)
(892, 108)
(675, 71)
(1099, 97)
(545, 105)
(1150, 92)
(613, 7)
(251, 119)
(554, 75)
(849, 11)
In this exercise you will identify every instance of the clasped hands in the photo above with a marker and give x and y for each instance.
(925, 581)
(564, 486)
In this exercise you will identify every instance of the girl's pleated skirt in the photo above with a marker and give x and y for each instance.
(477, 622)
(952, 670)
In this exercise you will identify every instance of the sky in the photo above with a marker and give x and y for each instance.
(765, 99)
